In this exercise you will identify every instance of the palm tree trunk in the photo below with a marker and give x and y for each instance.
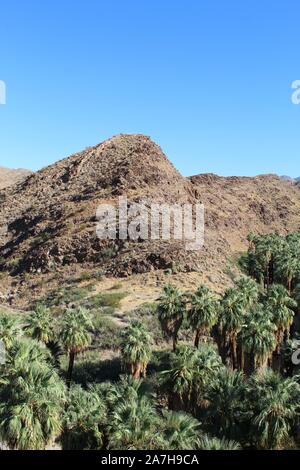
(249, 363)
(175, 340)
(136, 372)
(241, 357)
(276, 361)
(70, 368)
(290, 285)
(234, 353)
(263, 364)
(271, 270)
(197, 338)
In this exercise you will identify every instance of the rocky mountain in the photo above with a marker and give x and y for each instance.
(47, 221)
(9, 176)
(289, 178)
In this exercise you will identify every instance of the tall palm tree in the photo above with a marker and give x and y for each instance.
(258, 339)
(171, 310)
(264, 253)
(75, 335)
(288, 267)
(132, 424)
(83, 420)
(226, 403)
(9, 329)
(296, 296)
(273, 408)
(203, 313)
(31, 398)
(39, 324)
(232, 317)
(249, 290)
(191, 371)
(136, 349)
(281, 306)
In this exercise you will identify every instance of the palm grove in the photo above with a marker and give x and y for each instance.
(225, 378)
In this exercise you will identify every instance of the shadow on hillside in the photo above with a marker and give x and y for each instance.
(97, 371)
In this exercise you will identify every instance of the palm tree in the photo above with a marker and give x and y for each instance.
(132, 424)
(191, 371)
(171, 309)
(251, 238)
(214, 443)
(75, 335)
(136, 349)
(83, 419)
(264, 253)
(180, 431)
(203, 313)
(127, 389)
(258, 339)
(273, 408)
(40, 324)
(249, 290)
(288, 267)
(281, 306)
(9, 329)
(296, 296)
(226, 403)
(31, 398)
(249, 261)
(232, 318)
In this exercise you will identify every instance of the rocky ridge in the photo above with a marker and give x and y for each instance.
(48, 223)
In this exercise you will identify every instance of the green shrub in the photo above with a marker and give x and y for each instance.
(106, 300)
(107, 334)
(64, 296)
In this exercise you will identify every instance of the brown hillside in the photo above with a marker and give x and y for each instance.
(47, 221)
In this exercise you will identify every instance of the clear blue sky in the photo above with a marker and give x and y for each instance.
(210, 81)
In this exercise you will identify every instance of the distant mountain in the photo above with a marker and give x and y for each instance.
(286, 178)
(9, 176)
(289, 178)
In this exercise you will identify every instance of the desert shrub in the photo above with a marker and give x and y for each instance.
(109, 252)
(109, 299)
(160, 360)
(116, 286)
(90, 276)
(64, 296)
(14, 264)
(147, 313)
(107, 334)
